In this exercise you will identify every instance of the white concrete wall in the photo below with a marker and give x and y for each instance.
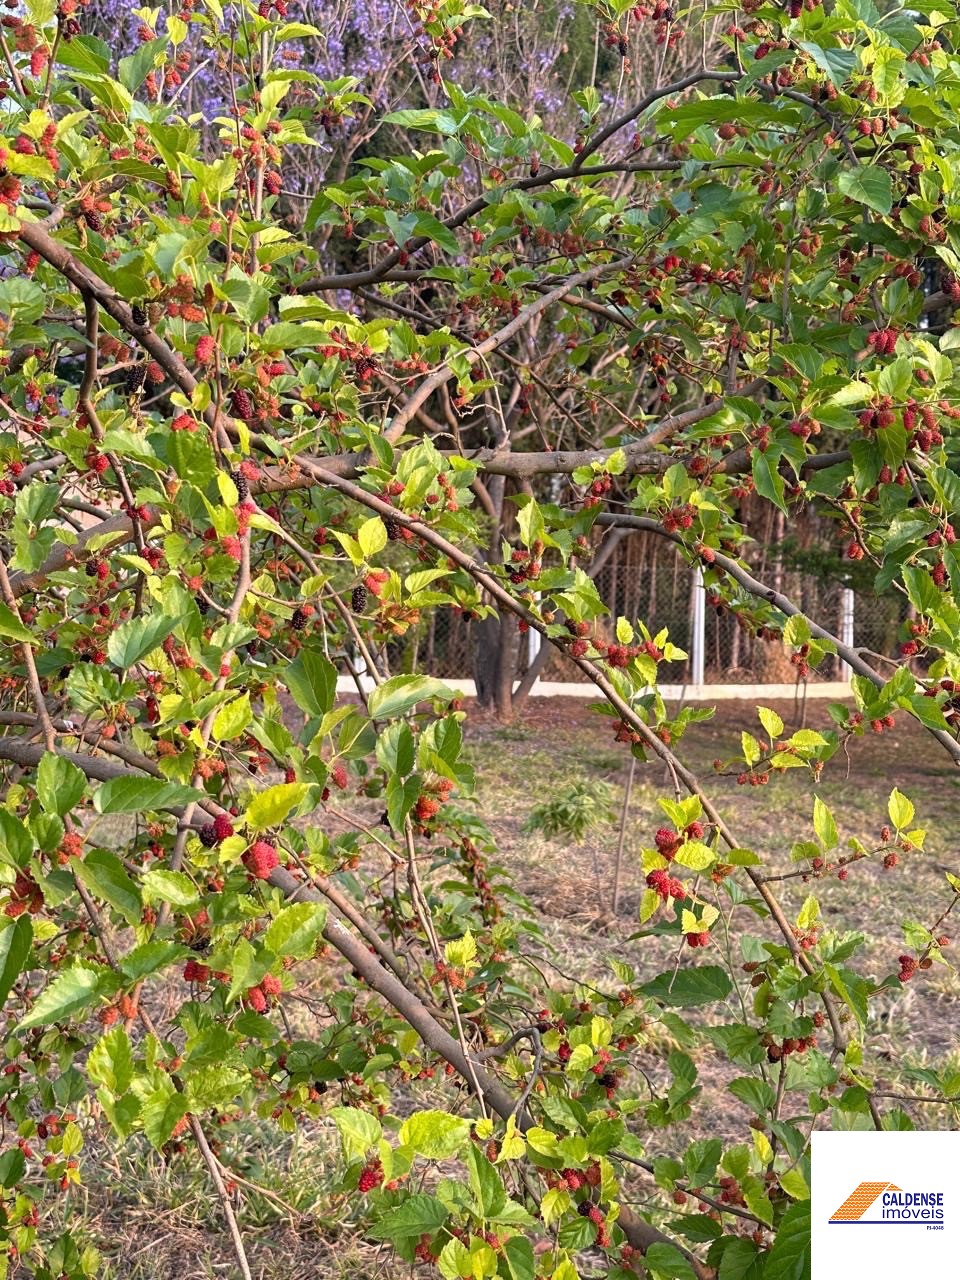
(756, 693)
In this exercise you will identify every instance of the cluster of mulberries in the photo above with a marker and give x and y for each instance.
(214, 833)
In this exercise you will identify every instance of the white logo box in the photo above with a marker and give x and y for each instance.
(886, 1234)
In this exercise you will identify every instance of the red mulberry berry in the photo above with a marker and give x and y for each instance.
(371, 1175)
(338, 776)
(427, 807)
(256, 1000)
(205, 349)
(222, 826)
(260, 859)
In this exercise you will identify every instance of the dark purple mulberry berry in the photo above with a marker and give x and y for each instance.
(134, 377)
(299, 620)
(208, 836)
(240, 480)
(241, 404)
(358, 599)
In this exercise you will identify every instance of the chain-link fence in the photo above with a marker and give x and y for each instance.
(648, 579)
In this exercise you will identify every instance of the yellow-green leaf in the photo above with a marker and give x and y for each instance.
(272, 806)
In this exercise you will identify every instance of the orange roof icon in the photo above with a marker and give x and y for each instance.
(860, 1200)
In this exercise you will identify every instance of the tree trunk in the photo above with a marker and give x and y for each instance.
(486, 649)
(508, 655)
(529, 678)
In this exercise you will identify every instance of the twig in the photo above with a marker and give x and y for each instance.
(621, 836)
(210, 1160)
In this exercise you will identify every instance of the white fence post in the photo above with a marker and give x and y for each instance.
(698, 644)
(534, 641)
(846, 626)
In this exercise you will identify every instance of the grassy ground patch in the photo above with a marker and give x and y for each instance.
(157, 1221)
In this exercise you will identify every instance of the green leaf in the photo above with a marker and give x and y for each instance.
(462, 952)
(395, 749)
(399, 694)
(768, 479)
(417, 1216)
(16, 842)
(232, 718)
(134, 69)
(15, 943)
(455, 1260)
(191, 457)
(685, 988)
(359, 1130)
(771, 722)
(797, 630)
(250, 300)
(489, 1193)
(530, 523)
(789, 1259)
(695, 855)
(372, 536)
(518, 1252)
(900, 809)
(757, 1094)
(296, 930)
(430, 226)
(795, 1184)
(110, 1061)
(148, 958)
(11, 626)
(401, 797)
(696, 1227)
(173, 887)
(740, 1261)
(312, 681)
(271, 807)
(105, 876)
(667, 1261)
(60, 784)
(435, 1135)
(823, 824)
(66, 995)
(432, 121)
(161, 1111)
(809, 913)
(13, 1165)
(868, 184)
(131, 794)
(134, 639)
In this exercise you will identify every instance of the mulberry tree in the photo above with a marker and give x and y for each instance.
(253, 436)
